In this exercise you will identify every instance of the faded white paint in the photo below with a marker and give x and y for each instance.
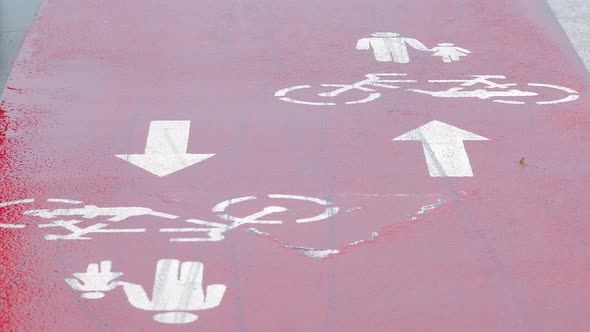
(61, 200)
(177, 288)
(95, 281)
(92, 211)
(443, 148)
(373, 236)
(426, 208)
(166, 149)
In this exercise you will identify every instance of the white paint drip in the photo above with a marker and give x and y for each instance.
(309, 252)
(374, 235)
(352, 209)
(425, 209)
(256, 231)
(315, 253)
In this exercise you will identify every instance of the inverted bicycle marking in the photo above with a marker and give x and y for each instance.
(254, 219)
(76, 220)
(475, 86)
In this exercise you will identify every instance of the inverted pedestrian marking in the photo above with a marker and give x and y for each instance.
(178, 289)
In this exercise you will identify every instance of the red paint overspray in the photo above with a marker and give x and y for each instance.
(505, 252)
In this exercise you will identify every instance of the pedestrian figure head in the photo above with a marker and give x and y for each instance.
(446, 44)
(385, 34)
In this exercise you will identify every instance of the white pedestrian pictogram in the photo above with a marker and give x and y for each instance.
(390, 46)
(449, 52)
(177, 290)
(95, 281)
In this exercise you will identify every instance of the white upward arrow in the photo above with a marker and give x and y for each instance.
(165, 150)
(443, 148)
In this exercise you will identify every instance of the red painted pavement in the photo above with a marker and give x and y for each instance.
(508, 250)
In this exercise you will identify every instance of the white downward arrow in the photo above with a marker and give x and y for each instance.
(443, 148)
(165, 150)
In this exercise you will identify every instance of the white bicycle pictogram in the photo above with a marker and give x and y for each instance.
(74, 220)
(476, 86)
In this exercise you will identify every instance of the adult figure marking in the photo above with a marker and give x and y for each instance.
(389, 46)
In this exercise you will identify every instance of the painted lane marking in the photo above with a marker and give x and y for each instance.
(166, 149)
(443, 148)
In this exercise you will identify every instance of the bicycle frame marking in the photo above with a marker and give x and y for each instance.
(72, 219)
(373, 81)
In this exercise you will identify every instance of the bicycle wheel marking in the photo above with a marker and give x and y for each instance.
(573, 94)
(281, 94)
(482, 87)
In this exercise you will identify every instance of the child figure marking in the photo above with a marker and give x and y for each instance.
(449, 52)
